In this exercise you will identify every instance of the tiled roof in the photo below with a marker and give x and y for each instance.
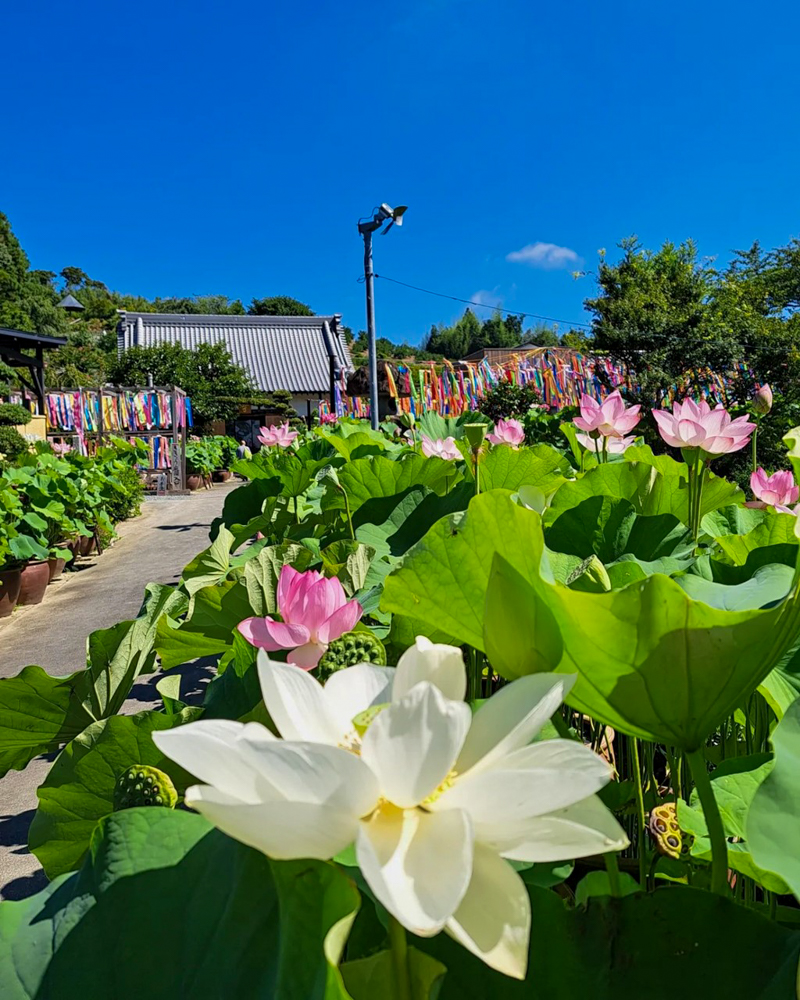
(279, 352)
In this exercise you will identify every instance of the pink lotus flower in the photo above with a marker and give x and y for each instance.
(61, 448)
(609, 418)
(614, 445)
(778, 490)
(507, 432)
(440, 448)
(762, 401)
(328, 418)
(281, 436)
(696, 425)
(315, 611)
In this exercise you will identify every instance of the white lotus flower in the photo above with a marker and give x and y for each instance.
(434, 798)
(304, 709)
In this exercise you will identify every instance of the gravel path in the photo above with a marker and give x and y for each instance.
(154, 547)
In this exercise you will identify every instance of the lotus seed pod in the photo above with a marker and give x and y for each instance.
(141, 785)
(475, 433)
(350, 649)
(666, 832)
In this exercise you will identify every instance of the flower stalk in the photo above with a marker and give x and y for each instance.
(716, 830)
(399, 947)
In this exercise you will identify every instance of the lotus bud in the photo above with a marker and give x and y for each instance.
(665, 830)
(141, 785)
(350, 649)
(407, 420)
(591, 576)
(762, 401)
(475, 433)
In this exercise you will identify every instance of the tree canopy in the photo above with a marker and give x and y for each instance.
(207, 374)
(279, 305)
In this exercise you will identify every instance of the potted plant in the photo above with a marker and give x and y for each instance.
(202, 457)
(9, 569)
(21, 552)
(227, 452)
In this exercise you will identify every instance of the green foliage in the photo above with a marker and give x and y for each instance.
(39, 714)
(14, 414)
(242, 925)
(12, 443)
(735, 783)
(126, 501)
(206, 374)
(27, 298)
(508, 399)
(204, 455)
(686, 646)
(81, 786)
(279, 305)
(773, 822)
(509, 468)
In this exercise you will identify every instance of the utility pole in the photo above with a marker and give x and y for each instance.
(390, 216)
(372, 351)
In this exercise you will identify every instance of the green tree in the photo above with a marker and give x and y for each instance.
(207, 374)
(28, 299)
(657, 313)
(279, 305)
(542, 335)
(77, 365)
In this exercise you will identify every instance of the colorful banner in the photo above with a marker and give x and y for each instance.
(560, 375)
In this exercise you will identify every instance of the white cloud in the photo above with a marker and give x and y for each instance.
(484, 297)
(547, 256)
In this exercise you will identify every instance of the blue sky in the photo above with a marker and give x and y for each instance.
(179, 147)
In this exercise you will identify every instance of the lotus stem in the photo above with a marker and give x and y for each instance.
(347, 511)
(640, 813)
(755, 444)
(399, 946)
(716, 831)
(613, 873)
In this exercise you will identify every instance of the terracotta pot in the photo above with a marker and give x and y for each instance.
(85, 545)
(56, 564)
(194, 482)
(221, 475)
(33, 582)
(9, 590)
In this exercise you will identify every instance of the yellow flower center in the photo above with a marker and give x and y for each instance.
(440, 790)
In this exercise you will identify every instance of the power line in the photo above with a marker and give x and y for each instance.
(484, 305)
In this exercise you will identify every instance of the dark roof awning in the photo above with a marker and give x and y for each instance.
(13, 344)
(18, 338)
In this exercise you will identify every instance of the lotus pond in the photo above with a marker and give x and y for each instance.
(485, 719)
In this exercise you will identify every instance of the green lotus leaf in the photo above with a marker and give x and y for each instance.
(773, 822)
(650, 491)
(735, 782)
(167, 907)
(507, 468)
(775, 532)
(651, 661)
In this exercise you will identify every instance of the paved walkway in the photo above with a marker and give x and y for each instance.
(154, 547)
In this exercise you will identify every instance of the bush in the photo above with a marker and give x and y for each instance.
(12, 443)
(125, 501)
(507, 399)
(12, 414)
(227, 449)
